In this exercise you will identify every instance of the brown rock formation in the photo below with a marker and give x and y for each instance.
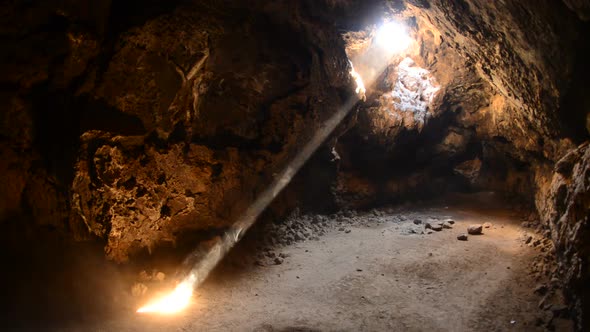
(143, 123)
(566, 210)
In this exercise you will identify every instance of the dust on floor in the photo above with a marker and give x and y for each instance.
(378, 271)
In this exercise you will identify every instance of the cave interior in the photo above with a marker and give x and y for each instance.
(399, 162)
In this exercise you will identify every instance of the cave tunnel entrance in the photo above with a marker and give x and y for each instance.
(295, 166)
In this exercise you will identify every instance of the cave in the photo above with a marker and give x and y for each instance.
(310, 165)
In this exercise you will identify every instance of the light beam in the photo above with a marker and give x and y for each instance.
(393, 38)
(180, 297)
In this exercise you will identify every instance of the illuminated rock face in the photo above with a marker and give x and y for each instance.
(414, 90)
(144, 123)
(171, 120)
(565, 207)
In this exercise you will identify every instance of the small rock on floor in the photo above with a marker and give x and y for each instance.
(475, 229)
(462, 237)
(435, 226)
(487, 224)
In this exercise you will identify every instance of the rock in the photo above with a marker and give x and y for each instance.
(160, 276)
(528, 239)
(212, 183)
(144, 276)
(138, 289)
(434, 225)
(417, 221)
(475, 229)
(562, 324)
(447, 225)
(543, 303)
(532, 217)
(299, 236)
(449, 221)
(487, 225)
(541, 289)
(462, 237)
(559, 310)
(347, 231)
(278, 261)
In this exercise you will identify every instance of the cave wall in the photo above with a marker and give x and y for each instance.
(506, 111)
(141, 128)
(565, 206)
(139, 123)
(508, 116)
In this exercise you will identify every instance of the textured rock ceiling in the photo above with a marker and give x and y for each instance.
(143, 123)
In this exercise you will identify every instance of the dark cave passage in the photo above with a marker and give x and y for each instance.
(141, 139)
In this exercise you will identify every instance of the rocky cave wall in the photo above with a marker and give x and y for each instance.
(141, 128)
(505, 113)
(509, 114)
(144, 124)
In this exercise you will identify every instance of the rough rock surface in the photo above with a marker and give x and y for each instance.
(468, 104)
(493, 122)
(169, 122)
(566, 212)
(144, 123)
(474, 229)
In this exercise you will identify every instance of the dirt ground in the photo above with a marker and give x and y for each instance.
(378, 271)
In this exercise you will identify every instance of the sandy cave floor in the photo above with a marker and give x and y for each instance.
(372, 271)
(374, 277)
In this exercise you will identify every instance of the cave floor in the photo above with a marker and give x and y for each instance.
(369, 271)
(380, 277)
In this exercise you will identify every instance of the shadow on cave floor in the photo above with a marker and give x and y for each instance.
(55, 284)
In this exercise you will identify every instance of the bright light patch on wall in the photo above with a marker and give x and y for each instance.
(393, 37)
(414, 90)
(360, 85)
